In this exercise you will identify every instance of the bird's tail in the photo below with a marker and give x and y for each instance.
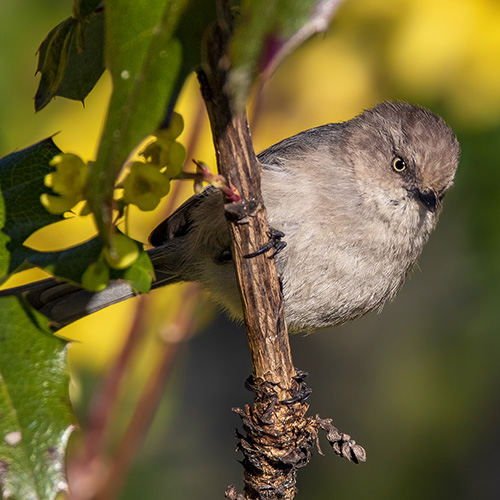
(63, 303)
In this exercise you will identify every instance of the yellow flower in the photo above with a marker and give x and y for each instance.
(57, 204)
(145, 185)
(176, 159)
(70, 175)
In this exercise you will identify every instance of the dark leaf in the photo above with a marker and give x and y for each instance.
(71, 263)
(84, 67)
(52, 60)
(71, 59)
(35, 411)
(22, 176)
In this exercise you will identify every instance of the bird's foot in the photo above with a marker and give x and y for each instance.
(275, 242)
(303, 390)
(300, 395)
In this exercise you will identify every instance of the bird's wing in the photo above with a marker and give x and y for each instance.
(178, 223)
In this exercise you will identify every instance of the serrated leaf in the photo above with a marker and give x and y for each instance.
(144, 62)
(52, 60)
(84, 67)
(266, 31)
(22, 176)
(35, 411)
(71, 59)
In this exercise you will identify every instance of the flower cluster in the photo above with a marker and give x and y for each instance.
(145, 183)
(149, 180)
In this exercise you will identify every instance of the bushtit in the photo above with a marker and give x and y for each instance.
(356, 201)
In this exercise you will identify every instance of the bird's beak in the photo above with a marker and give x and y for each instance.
(427, 198)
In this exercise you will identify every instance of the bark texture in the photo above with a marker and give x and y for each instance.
(279, 436)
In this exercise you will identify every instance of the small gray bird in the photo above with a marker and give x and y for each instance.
(356, 201)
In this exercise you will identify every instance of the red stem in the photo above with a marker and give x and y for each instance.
(175, 334)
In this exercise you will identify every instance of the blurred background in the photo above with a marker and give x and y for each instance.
(418, 385)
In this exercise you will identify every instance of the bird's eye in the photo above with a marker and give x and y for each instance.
(398, 165)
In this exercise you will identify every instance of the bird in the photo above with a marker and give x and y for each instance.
(356, 202)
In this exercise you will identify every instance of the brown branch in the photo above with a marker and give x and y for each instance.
(279, 436)
(259, 285)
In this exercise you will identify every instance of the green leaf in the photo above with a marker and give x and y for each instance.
(52, 60)
(4, 240)
(71, 59)
(144, 61)
(72, 263)
(140, 274)
(268, 30)
(22, 176)
(84, 67)
(35, 411)
(195, 19)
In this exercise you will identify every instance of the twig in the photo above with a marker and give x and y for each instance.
(83, 469)
(175, 333)
(100, 408)
(279, 436)
(275, 430)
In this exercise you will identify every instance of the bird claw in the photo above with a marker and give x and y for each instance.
(241, 211)
(275, 242)
(303, 391)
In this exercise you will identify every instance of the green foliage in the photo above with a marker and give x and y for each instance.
(35, 411)
(22, 181)
(72, 263)
(71, 58)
